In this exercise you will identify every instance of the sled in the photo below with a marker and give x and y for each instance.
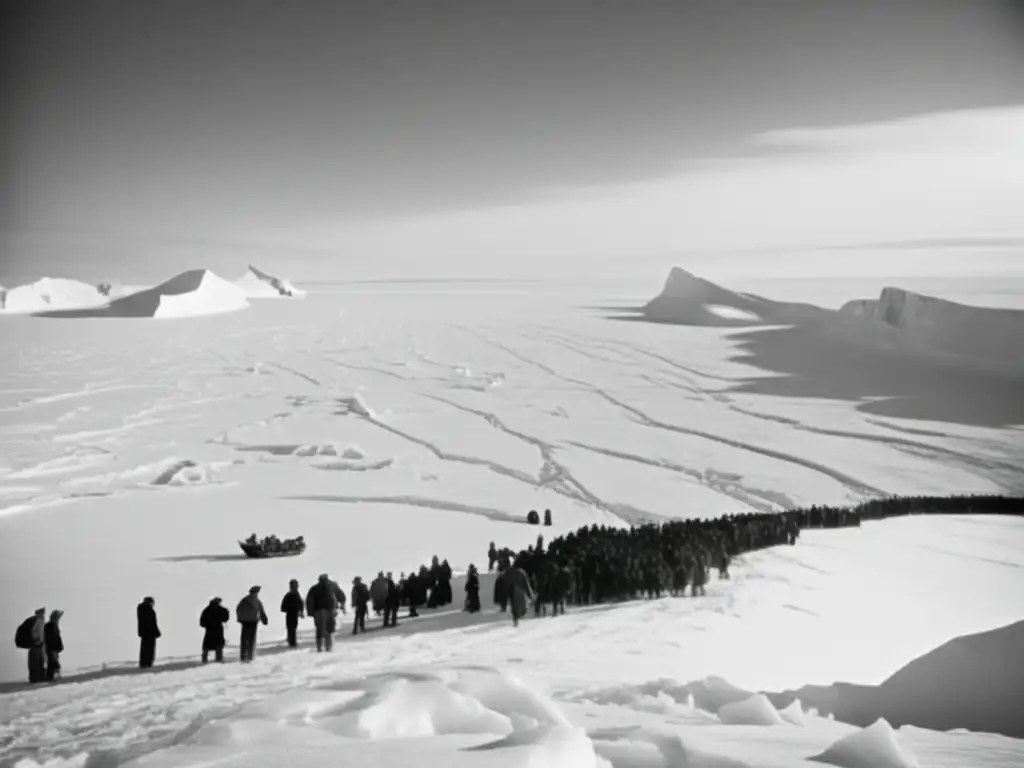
(257, 551)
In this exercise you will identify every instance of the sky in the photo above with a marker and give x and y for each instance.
(327, 140)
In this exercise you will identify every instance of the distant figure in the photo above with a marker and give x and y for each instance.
(293, 608)
(492, 557)
(444, 583)
(360, 603)
(149, 632)
(533, 518)
(411, 593)
(212, 619)
(250, 614)
(472, 590)
(31, 636)
(379, 593)
(501, 591)
(391, 603)
(54, 645)
(547, 517)
(520, 592)
(322, 604)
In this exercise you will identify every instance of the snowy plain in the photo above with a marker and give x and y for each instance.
(390, 423)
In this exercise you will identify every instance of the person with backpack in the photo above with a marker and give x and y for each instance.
(322, 604)
(212, 619)
(31, 636)
(250, 613)
(361, 604)
(149, 632)
(293, 608)
(54, 645)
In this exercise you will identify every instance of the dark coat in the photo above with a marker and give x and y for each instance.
(212, 619)
(292, 604)
(322, 597)
(360, 595)
(519, 590)
(146, 615)
(54, 642)
(250, 610)
(394, 597)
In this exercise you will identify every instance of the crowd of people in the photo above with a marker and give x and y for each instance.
(594, 564)
(272, 545)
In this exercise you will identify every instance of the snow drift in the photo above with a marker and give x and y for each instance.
(960, 329)
(874, 747)
(194, 293)
(756, 710)
(257, 284)
(51, 293)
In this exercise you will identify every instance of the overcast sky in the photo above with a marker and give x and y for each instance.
(140, 138)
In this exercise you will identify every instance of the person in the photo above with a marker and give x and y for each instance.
(35, 643)
(520, 592)
(149, 632)
(293, 608)
(360, 602)
(547, 517)
(501, 590)
(250, 613)
(492, 557)
(322, 605)
(379, 593)
(472, 590)
(212, 619)
(54, 644)
(391, 603)
(411, 593)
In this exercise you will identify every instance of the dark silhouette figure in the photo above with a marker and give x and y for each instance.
(54, 645)
(149, 632)
(361, 603)
(293, 607)
(31, 635)
(533, 518)
(547, 517)
(472, 590)
(492, 557)
(212, 620)
(411, 593)
(391, 603)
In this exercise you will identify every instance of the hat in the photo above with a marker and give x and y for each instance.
(324, 577)
(214, 600)
(253, 590)
(357, 579)
(56, 614)
(40, 611)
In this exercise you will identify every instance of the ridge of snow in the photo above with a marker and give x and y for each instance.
(260, 285)
(756, 710)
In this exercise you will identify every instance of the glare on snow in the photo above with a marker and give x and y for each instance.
(139, 453)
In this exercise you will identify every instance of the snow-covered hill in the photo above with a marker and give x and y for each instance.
(981, 332)
(259, 285)
(195, 293)
(51, 293)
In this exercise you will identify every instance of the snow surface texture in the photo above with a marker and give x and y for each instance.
(142, 453)
(257, 284)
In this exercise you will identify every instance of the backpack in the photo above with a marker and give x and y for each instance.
(23, 637)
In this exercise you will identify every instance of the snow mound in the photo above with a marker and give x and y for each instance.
(625, 746)
(756, 710)
(260, 285)
(944, 325)
(195, 293)
(51, 293)
(794, 713)
(873, 747)
(357, 405)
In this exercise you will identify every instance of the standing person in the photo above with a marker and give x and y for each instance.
(322, 604)
(520, 592)
(411, 592)
(54, 645)
(31, 636)
(212, 619)
(392, 602)
(250, 613)
(472, 590)
(149, 632)
(293, 608)
(360, 602)
(379, 593)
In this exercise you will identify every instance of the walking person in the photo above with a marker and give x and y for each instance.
(293, 608)
(360, 603)
(54, 645)
(149, 632)
(250, 613)
(212, 619)
(391, 603)
(322, 604)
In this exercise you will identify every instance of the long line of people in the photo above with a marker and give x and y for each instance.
(594, 564)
